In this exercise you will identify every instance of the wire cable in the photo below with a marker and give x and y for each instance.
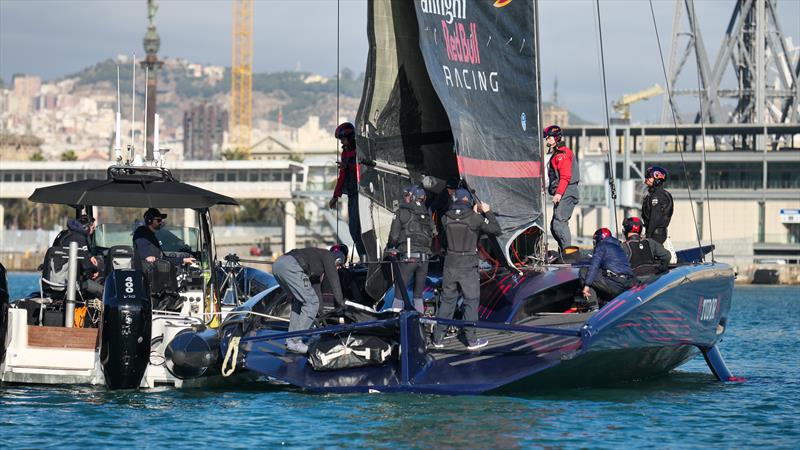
(675, 124)
(611, 177)
(701, 97)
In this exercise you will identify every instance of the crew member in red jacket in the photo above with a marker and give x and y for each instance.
(347, 183)
(564, 174)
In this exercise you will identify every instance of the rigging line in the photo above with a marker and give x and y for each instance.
(702, 98)
(675, 125)
(542, 198)
(336, 121)
(611, 177)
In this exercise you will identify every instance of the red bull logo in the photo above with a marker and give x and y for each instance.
(501, 3)
(460, 47)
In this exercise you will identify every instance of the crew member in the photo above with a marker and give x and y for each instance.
(347, 183)
(80, 231)
(657, 205)
(609, 273)
(300, 273)
(410, 239)
(145, 243)
(350, 288)
(463, 226)
(564, 174)
(439, 207)
(647, 257)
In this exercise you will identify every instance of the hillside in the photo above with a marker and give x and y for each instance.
(181, 83)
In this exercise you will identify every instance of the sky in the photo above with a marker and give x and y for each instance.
(53, 38)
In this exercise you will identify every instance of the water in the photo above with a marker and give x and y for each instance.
(687, 409)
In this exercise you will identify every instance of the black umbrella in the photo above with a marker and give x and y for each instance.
(128, 187)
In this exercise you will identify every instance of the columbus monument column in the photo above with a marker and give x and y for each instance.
(152, 64)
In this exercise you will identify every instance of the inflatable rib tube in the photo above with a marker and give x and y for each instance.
(193, 354)
(125, 330)
(4, 295)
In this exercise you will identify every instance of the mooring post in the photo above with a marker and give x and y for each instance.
(72, 280)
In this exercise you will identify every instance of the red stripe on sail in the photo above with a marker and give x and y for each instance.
(498, 169)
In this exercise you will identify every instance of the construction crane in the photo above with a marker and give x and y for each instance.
(623, 105)
(241, 118)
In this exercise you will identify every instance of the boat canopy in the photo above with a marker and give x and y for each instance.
(135, 187)
(451, 90)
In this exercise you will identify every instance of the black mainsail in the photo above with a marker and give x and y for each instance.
(452, 90)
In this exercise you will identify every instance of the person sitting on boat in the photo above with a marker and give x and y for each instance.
(647, 256)
(347, 183)
(299, 273)
(609, 273)
(657, 206)
(564, 175)
(410, 239)
(80, 231)
(146, 245)
(463, 225)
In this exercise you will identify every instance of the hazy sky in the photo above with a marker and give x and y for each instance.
(52, 38)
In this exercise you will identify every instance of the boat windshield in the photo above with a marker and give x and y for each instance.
(173, 239)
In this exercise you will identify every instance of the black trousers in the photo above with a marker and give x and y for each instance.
(657, 234)
(608, 286)
(354, 224)
(408, 269)
(467, 280)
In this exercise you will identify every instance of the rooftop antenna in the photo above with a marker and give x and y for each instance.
(144, 118)
(133, 109)
(117, 137)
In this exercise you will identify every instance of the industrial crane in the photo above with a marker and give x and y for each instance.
(241, 120)
(623, 105)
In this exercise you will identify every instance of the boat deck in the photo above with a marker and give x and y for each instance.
(500, 340)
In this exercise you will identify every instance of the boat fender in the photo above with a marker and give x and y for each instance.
(125, 329)
(192, 354)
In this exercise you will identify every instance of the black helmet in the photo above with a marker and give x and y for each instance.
(657, 173)
(632, 225)
(552, 130)
(345, 129)
(339, 252)
(461, 199)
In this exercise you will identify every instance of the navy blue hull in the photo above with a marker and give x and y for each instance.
(645, 332)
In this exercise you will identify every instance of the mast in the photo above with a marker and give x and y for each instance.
(537, 61)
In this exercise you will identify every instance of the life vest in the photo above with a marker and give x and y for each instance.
(641, 257)
(559, 153)
(417, 225)
(461, 238)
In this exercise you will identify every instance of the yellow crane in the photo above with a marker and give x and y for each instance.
(241, 118)
(623, 105)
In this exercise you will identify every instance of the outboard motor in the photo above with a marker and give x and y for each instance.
(192, 354)
(4, 295)
(125, 329)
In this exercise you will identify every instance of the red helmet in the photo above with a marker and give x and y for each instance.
(600, 235)
(552, 130)
(345, 129)
(632, 225)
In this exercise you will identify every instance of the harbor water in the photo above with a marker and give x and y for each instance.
(686, 409)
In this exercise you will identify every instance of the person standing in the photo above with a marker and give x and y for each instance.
(300, 273)
(657, 206)
(463, 225)
(609, 273)
(564, 174)
(647, 257)
(410, 237)
(347, 183)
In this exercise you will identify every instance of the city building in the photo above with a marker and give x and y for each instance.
(204, 128)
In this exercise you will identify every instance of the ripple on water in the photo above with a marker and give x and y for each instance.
(687, 409)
